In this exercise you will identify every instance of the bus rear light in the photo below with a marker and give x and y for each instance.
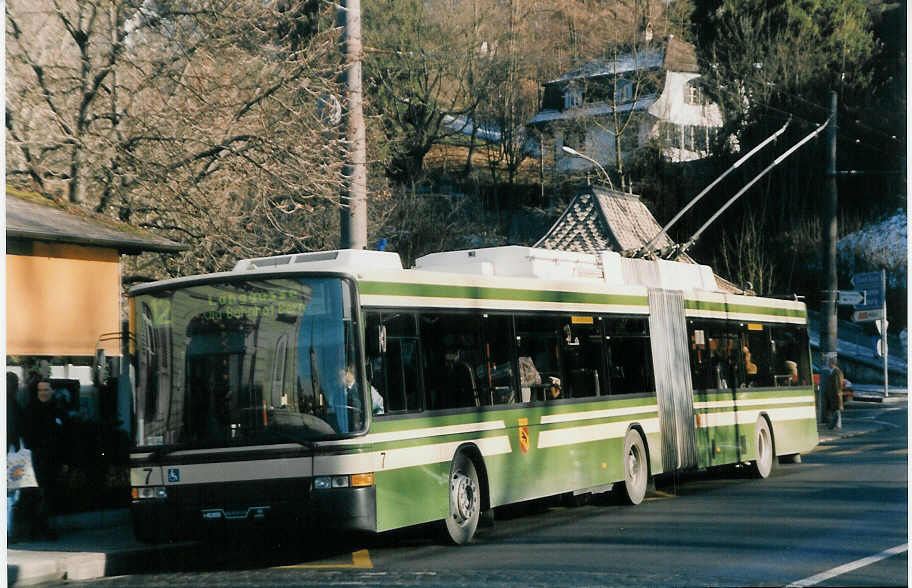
(361, 480)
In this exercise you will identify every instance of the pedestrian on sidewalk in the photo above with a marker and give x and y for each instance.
(13, 443)
(43, 425)
(833, 395)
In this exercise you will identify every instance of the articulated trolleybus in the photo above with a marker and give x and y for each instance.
(339, 390)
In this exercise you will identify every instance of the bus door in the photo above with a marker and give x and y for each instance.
(674, 394)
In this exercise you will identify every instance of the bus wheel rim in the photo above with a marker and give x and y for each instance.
(464, 497)
(634, 469)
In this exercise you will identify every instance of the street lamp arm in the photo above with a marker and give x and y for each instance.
(576, 153)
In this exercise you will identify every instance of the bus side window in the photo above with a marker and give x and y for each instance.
(582, 350)
(394, 372)
(497, 381)
(538, 340)
(629, 356)
(451, 345)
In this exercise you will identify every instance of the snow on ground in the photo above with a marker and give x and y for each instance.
(878, 245)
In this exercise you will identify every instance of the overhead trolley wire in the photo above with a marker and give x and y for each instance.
(687, 245)
(647, 248)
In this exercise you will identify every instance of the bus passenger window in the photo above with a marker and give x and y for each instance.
(451, 345)
(582, 349)
(629, 356)
(538, 340)
(790, 359)
(392, 365)
(496, 381)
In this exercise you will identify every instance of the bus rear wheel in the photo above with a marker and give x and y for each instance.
(465, 501)
(636, 468)
(763, 465)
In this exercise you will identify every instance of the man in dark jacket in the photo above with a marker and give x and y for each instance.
(44, 435)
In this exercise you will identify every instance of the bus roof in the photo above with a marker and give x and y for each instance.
(517, 277)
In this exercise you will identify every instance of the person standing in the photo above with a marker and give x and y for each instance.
(833, 395)
(13, 443)
(43, 427)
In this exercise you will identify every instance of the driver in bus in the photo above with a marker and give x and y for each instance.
(353, 392)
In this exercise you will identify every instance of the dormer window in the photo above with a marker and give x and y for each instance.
(623, 91)
(573, 96)
(693, 94)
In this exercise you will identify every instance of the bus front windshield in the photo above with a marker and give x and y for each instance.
(247, 362)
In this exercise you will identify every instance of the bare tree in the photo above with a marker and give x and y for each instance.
(206, 120)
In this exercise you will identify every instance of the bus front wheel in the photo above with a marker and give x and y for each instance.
(465, 501)
(636, 468)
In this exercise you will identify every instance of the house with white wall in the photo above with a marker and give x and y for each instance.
(651, 93)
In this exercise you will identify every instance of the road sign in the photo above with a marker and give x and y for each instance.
(871, 284)
(850, 297)
(861, 316)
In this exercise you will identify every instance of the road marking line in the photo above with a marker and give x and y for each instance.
(820, 448)
(360, 560)
(849, 567)
(903, 451)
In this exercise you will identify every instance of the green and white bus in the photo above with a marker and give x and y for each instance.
(339, 390)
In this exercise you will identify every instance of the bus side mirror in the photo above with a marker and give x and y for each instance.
(376, 341)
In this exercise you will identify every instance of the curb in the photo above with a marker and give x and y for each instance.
(37, 567)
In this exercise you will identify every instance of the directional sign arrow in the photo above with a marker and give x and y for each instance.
(850, 297)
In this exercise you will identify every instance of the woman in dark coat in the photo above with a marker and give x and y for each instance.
(44, 435)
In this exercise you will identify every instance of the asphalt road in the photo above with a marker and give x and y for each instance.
(837, 519)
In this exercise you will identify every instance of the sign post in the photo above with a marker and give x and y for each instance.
(873, 307)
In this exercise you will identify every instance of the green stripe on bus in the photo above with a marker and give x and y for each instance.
(743, 309)
(486, 293)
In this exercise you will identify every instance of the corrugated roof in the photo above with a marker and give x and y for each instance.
(32, 218)
(601, 219)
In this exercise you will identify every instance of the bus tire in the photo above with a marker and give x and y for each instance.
(636, 468)
(465, 501)
(763, 442)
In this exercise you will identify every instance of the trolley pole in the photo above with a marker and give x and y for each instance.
(828, 327)
(829, 335)
(353, 199)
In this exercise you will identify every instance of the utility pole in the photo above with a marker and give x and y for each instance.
(828, 336)
(353, 199)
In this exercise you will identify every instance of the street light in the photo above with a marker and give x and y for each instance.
(576, 153)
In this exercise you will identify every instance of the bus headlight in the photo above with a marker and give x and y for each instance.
(146, 492)
(353, 481)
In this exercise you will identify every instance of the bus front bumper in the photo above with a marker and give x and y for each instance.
(192, 510)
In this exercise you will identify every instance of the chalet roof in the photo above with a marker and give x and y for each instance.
(601, 219)
(29, 216)
(649, 58)
(680, 56)
(671, 54)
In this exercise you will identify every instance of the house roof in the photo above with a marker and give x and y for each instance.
(30, 216)
(587, 110)
(600, 219)
(672, 54)
(649, 58)
(680, 56)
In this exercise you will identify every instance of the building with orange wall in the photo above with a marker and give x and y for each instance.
(63, 285)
